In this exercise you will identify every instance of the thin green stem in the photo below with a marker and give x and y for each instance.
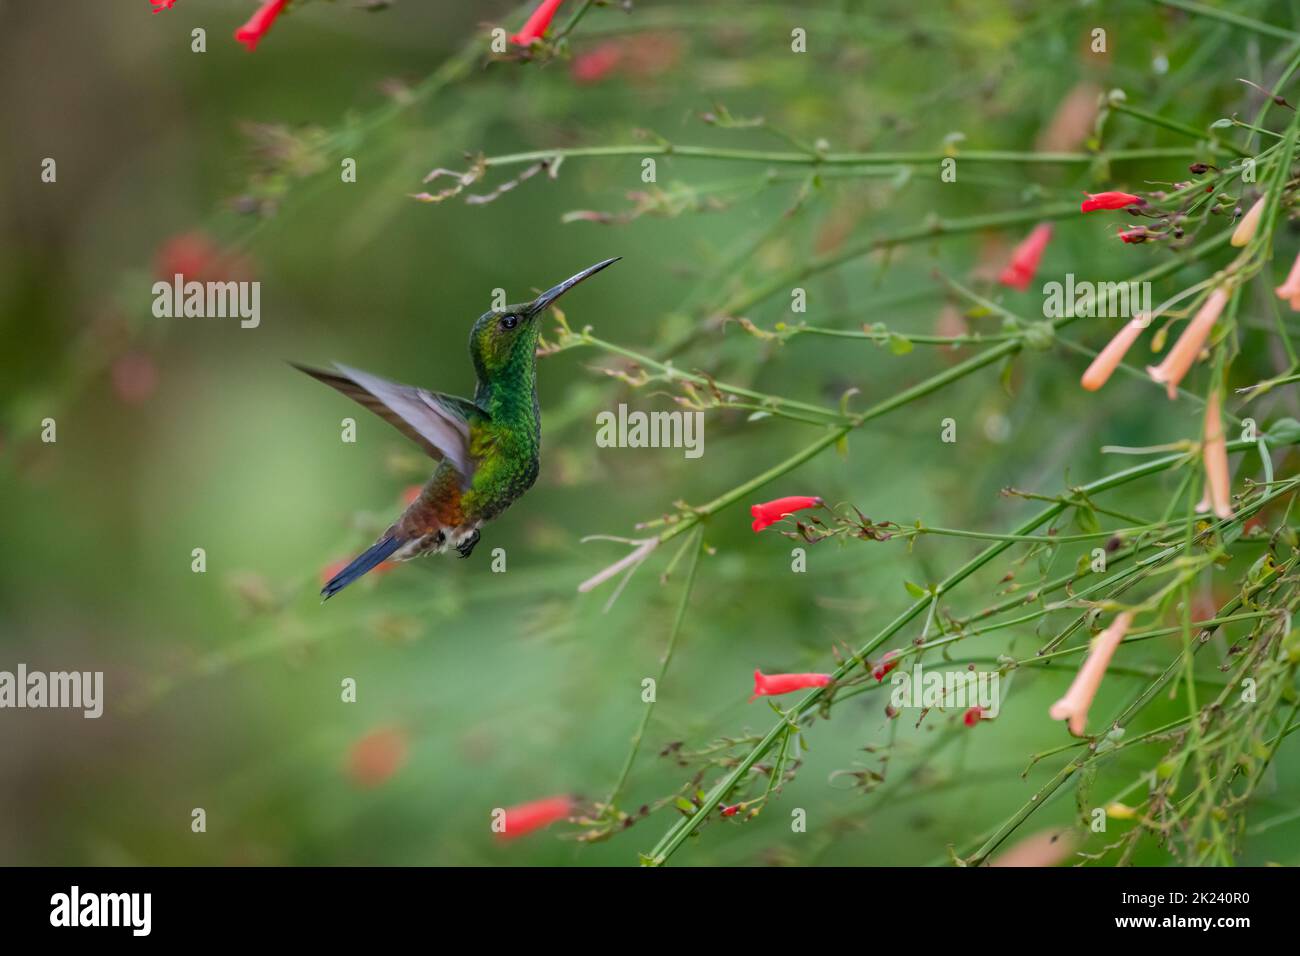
(785, 158)
(1156, 119)
(684, 827)
(696, 545)
(1236, 19)
(1040, 797)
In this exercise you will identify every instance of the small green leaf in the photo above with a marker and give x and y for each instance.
(1284, 431)
(899, 344)
(1086, 519)
(1005, 376)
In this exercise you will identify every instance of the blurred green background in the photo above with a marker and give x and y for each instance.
(494, 689)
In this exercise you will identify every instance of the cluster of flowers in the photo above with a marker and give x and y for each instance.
(253, 29)
(1180, 359)
(380, 754)
(1073, 707)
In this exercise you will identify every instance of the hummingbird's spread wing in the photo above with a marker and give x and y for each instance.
(436, 422)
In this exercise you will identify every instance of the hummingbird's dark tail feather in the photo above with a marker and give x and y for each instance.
(362, 563)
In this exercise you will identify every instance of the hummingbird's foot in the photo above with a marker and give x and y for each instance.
(466, 546)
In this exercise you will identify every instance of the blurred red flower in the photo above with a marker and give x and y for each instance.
(595, 65)
(328, 572)
(1024, 260)
(377, 756)
(198, 258)
(652, 54)
(539, 814)
(134, 376)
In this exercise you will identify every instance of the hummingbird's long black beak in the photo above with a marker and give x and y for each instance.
(543, 301)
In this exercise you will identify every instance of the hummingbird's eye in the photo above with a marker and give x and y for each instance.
(508, 322)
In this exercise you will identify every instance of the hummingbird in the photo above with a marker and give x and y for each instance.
(488, 449)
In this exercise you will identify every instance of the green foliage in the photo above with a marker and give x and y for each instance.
(481, 688)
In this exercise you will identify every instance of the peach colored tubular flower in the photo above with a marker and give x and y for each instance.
(1073, 121)
(1042, 849)
(1290, 289)
(1108, 359)
(1074, 705)
(1214, 451)
(1249, 224)
(1180, 358)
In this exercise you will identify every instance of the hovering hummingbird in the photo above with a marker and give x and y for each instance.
(488, 449)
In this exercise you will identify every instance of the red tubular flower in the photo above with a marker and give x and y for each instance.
(770, 512)
(160, 5)
(526, 817)
(731, 811)
(1111, 200)
(594, 66)
(537, 23)
(886, 664)
(1024, 260)
(259, 23)
(770, 685)
(972, 716)
(1135, 235)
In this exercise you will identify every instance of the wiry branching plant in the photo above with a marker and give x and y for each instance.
(1217, 229)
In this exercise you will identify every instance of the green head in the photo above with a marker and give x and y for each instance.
(503, 343)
